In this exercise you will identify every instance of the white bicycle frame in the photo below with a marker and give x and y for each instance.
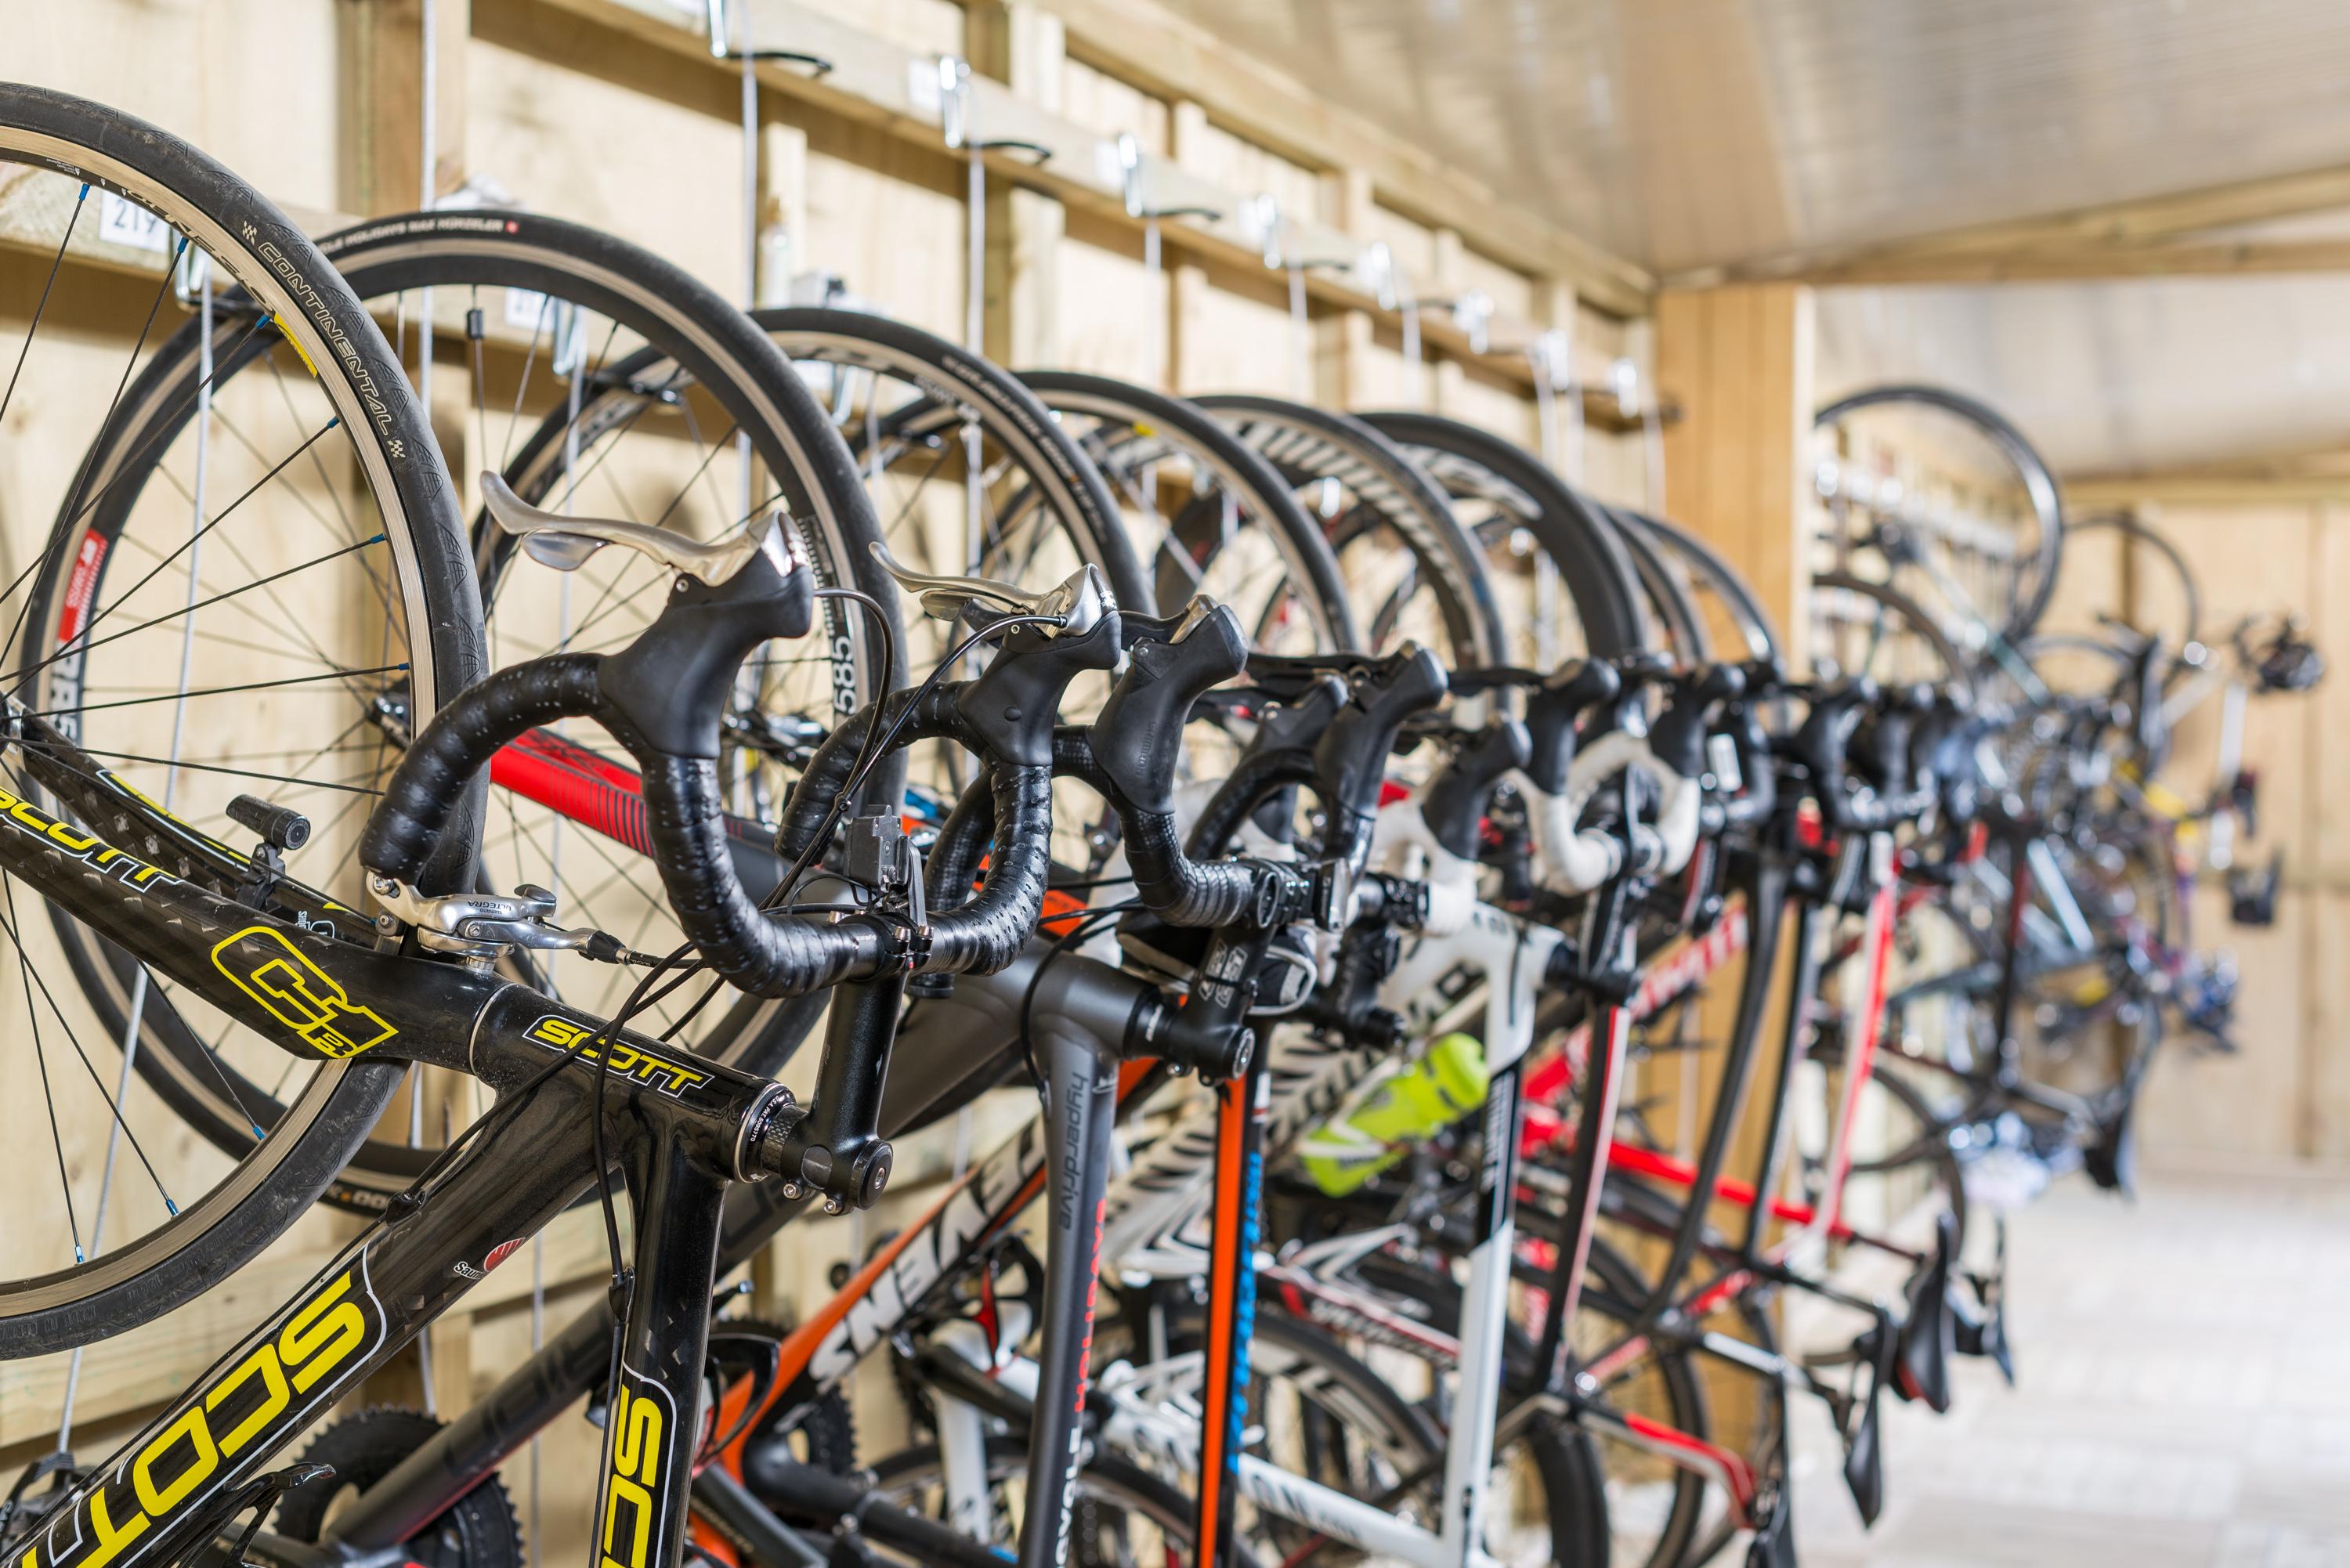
(1167, 1189)
(1150, 1415)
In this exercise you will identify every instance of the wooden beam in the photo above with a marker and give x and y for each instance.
(1021, 46)
(385, 52)
(1343, 339)
(2189, 488)
(2146, 237)
(1186, 280)
(1737, 469)
(2176, 258)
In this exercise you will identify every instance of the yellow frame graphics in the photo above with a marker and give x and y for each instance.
(86, 846)
(299, 994)
(635, 1509)
(256, 1401)
(669, 1077)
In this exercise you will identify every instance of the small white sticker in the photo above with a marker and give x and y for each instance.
(125, 222)
(526, 308)
(922, 84)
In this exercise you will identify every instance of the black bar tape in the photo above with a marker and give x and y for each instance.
(406, 823)
(829, 769)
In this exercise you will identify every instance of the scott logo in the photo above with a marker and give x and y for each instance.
(670, 1078)
(83, 846)
(298, 993)
(264, 1397)
(635, 1515)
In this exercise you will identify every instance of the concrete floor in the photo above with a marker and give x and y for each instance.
(2183, 1397)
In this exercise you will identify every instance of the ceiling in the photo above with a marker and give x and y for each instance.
(1689, 134)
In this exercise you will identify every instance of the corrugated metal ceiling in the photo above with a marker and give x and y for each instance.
(1686, 133)
(1700, 133)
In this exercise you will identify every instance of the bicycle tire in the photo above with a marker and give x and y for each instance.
(2136, 531)
(1599, 573)
(1172, 424)
(264, 254)
(1566, 1468)
(1957, 669)
(1066, 479)
(2038, 480)
(731, 361)
(1745, 611)
(1310, 446)
(1105, 1478)
(1613, 1282)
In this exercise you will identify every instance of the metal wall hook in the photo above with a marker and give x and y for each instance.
(1551, 356)
(816, 64)
(1263, 222)
(714, 13)
(1037, 150)
(1129, 167)
(954, 107)
(1472, 313)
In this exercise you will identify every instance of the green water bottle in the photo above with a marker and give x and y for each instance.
(1432, 1093)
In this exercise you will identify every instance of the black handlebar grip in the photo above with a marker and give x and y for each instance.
(1820, 742)
(1138, 733)
(1350, 759)
(672, 684)
(1553, 712)
(1279, 757)
(1287, 677)
(1756, 769)
(1880, 751)
(1454, 801)
(1677, 738)
(1013, 705)
(405, 828)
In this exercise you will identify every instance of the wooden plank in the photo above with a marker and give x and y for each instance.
(2118, 234)
(1736, 467)
(1021, 46)
(2181, 258)
(2195, 488)
(385, 104)
(878, 83)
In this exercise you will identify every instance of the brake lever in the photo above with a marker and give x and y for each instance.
(564, 543)
(1075, 604)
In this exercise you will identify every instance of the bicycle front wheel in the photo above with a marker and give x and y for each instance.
(303, 564)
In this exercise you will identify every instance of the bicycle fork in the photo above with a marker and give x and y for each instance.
(1080, 1071)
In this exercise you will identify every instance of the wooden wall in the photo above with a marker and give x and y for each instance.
(2259, 549)
(612, 113)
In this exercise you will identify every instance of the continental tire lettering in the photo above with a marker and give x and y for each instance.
(355, 366)
(247, 1413)
(86, 847)
(620, 1057)
(298, 993)
(635, 1511)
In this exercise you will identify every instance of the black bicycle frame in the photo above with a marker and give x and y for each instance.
(1083, 1016)
(681, 1130)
